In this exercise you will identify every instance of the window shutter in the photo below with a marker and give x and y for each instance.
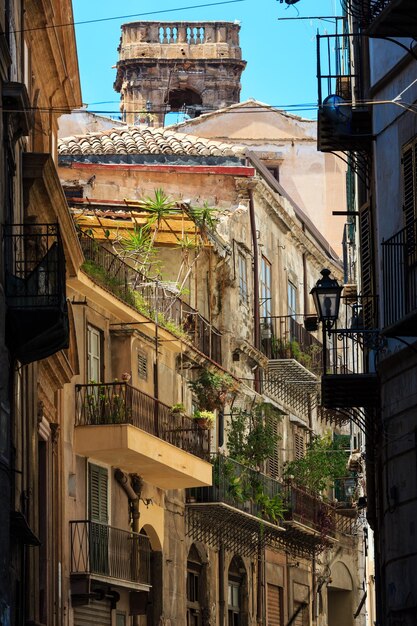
(97, 490)
(275, 614)
(366, 249)
(409, 183)
(298, 446)
(142, 365)
(273, 460)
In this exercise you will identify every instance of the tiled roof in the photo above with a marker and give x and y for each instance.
(137, 140)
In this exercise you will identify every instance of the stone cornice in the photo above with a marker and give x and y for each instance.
(275, 208)
(55, 52)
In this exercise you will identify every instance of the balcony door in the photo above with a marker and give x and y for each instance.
(94, 355)
(98, 516)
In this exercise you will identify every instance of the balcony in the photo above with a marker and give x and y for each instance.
(341, 125)
(399, 262)
(37, 318)
(392, 18)
(150, 298)
(295, 361)
(284, 338)
(119, 425)
(111, 555)
(236, 511)
(349, 379)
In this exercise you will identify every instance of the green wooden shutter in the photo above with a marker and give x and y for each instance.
(97, 491)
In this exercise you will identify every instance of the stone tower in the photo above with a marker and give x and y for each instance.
(168, 66)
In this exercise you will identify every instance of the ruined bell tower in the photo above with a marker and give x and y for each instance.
(171, 66)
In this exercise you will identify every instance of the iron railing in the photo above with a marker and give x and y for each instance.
(282, 337)
(34, 266)
(335, 76)
(120, 403)
(356, 337)
(367, 11)
(399, 262)
(240, 487)
(106, 551)
(306, 508)
(152, 298)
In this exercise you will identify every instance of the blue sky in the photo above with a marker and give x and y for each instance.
(280, 55)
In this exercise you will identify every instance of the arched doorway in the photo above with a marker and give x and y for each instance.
(197, 586)
(340, 596)
(237, 593)
(150, 607)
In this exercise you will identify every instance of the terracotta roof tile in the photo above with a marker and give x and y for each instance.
(137, 140)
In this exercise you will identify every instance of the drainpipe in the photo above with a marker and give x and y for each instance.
(132, 485)
(256, 313)
(221, 586)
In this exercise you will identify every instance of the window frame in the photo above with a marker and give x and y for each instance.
(97, 332)
(242, 267)
(265, 285)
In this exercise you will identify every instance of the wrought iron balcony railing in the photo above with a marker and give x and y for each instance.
(307, 509)
(98, 549)
(35, 290)
(240, 487)
(151, 298)
(241, 511)
(120, 403)
(384, 17)
(342, 124)
(282, 337)
(399, 262)
(349, 378)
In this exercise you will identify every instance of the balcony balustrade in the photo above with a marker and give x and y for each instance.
(102, 552)
(295, 357)
(384, 18)
(399, 262)
(37, 316)
(120, 403)
(126, 422)
(282, 337)
(307, 510)
(342, 126)
(151, 298)
(237, 510)
(349, 378)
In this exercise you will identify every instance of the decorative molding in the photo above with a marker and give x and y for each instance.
(250, 350)
(55, 430)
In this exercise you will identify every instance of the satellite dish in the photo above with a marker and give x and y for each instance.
(337, 109)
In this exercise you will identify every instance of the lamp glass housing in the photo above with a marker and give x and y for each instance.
(326, 295)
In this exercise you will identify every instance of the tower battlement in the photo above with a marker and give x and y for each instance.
(168, 66)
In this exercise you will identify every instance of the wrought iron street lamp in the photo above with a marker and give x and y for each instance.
(326, 295)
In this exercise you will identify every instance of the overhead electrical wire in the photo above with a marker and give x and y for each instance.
(125, 17)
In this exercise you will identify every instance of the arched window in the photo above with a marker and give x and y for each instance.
(236, 596)
(194, 585)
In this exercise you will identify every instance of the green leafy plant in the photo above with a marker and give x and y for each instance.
(324, 461)
(206, 416)
(178, 408)
(212, 389)
(251, 436)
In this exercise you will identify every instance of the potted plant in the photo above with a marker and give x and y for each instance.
(212, 389)
(178, 409)
(204, 419)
